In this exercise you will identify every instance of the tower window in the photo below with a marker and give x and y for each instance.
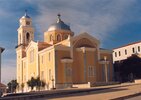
(27, 23)
(27, 37)
(58, 37)
(51, 37)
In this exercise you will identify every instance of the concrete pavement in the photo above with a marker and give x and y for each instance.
(114, 92)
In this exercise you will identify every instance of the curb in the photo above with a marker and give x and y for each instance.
(127, 97)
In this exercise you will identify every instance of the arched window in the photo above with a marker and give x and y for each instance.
(51, 37)
(58, 37)
(65, 36)
(27, 37)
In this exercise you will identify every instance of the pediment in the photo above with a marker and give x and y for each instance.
(32, 44)
(85, 40)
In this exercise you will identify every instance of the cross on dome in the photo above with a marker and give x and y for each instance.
(25, 12)
(26, 15)
(59, 19)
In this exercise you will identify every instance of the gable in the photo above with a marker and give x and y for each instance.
(85, 40)
(32, 44)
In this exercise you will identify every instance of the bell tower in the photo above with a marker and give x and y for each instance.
(25, 35)
(25, 30)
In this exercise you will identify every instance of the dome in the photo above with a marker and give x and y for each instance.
(59, 25)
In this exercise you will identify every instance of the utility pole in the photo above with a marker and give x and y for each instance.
(1, 50)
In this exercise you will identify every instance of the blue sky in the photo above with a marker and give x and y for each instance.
(113, 22)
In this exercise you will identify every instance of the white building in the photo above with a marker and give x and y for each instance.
(126, 51)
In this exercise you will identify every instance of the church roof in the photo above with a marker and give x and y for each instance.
(59, 25)
(43, 45)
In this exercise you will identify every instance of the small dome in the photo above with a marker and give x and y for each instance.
(25, 15)
(59, 25)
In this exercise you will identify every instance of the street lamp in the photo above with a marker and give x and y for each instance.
(52, 82)
(11, 87)
(106, 72)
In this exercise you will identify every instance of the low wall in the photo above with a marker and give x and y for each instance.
(138, 81)
(103, 83)
(62, 86)
(88, 85)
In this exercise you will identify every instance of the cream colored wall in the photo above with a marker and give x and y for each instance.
(32, 66)
(110, 65)
(78, 67)
(54, 34)
(47, 36)
(21, 69)
(60, 66)
(92, 56)
(23, 21)
(19, 65)
(92, 60)
(48, 64)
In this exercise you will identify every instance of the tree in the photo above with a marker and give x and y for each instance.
(31, 83)
(22, 86)
(36, 82)
(12, 85)
(39, 83)
(129, 69)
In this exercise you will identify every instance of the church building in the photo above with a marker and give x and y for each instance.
(62, 59)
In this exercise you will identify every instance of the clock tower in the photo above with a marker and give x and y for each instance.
(25, 30)
(25, 35)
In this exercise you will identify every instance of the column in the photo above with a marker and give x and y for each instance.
(84, 53)
(65, 73)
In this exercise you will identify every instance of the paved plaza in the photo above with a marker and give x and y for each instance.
(114, 92)
(126, 91)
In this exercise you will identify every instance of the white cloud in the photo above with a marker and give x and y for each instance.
(98, 17)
